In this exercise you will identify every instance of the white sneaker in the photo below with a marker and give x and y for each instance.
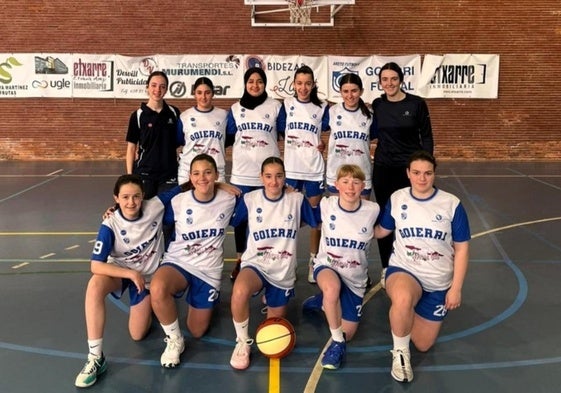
(94, 367)
(401, 365)
(311, 279)
(240, 356)
(174, 348)
(383, 278)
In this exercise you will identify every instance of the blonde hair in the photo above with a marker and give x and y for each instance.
(352, 170)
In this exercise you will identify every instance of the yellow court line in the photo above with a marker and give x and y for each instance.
(274, 375)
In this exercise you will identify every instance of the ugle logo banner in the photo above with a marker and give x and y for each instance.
(460, 76)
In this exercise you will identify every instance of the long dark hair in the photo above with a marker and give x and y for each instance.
(355, 80)
(314, 93)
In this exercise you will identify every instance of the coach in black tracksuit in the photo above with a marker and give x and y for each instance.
(403, 127)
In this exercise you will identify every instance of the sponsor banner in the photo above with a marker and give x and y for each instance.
(280, 72)
(92, 76)
(368, 69)
(131, 75)
(116, 76)
(460, 76)
(225, 72)
(35, 75)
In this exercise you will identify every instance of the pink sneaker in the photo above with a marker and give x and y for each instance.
(240, 356)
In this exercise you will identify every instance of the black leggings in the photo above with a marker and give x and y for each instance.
(385, 181)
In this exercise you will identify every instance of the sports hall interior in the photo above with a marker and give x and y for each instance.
(59, 158)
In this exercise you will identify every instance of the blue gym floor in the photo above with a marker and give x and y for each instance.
(504, 338)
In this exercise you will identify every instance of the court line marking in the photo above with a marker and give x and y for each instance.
(315, 375)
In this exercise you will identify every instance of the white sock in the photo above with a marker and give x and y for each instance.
(337, 334)
(401, 342)
(95, 347)
(173, 329)
(242, 330)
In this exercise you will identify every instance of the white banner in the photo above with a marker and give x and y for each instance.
(116, 76)
(460, 76)
(93, 76)
(225, 72)
(368, 69)
(280, 73)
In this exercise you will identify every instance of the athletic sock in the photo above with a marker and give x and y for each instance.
(337, 334)
(401, 342)
(172, 330)
(242, 329)
(95, 347)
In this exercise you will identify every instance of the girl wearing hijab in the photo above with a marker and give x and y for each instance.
(252, 130)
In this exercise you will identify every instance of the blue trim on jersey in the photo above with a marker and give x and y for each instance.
(180, 136)
(107, 239)
(281, 122)
(325, 119)
(460, 225)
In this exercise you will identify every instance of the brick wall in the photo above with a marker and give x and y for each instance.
(521, 125)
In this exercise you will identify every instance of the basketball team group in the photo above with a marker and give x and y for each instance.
(164, 238)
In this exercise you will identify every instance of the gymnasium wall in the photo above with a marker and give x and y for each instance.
(522, 124)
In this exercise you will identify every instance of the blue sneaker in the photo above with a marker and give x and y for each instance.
(333, 357)
(313, 303)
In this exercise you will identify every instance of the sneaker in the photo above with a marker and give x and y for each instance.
(313, 303)
(383, 278)
(333, 356)
(174, 348)
(311, 279)
(240, 356)
(401, 365)
(94, 367)
(236, 270)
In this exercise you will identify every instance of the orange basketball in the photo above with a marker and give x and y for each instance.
(275, 337)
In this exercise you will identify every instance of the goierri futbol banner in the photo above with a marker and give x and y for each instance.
(460, 76)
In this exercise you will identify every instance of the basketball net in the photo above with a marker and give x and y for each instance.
(300, 11)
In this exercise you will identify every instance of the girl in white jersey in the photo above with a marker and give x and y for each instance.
(352, 129)
(341, 265)
(192, 264)
(204, 129)
(429, 262)
(269, 262)
(306, 118)
(252, 131)
(127, 251)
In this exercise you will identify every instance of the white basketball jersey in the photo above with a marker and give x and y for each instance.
(136, 244)
(273, 227)
(425, 231)
(255, 140)
(349, 142)
(345, 241)
(200, 229)
(302, 160)
(205, 132)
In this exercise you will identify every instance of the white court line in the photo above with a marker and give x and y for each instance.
(47, 255)
(318, 369)
(72, 247)
(55, 172)
(20, 265)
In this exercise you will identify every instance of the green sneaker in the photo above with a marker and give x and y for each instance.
(94, 367)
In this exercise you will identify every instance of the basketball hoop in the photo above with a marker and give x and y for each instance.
(300, 11)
